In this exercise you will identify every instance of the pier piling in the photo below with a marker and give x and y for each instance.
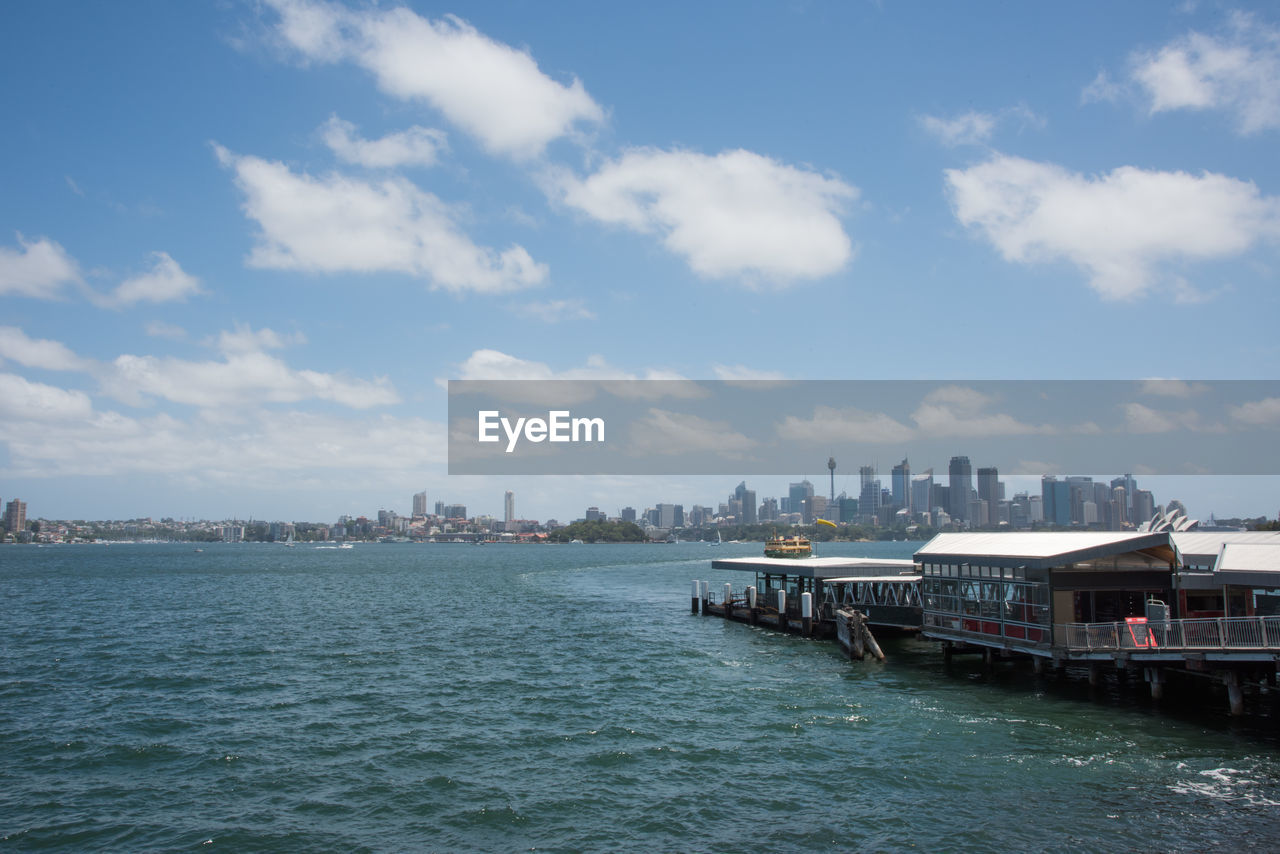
(697, 588)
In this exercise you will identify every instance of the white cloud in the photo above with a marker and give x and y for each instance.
(961, 411)
(246, 377)
(1118, 227)
(1143, 419)
(1259, 413)
(554, 311)
(491, 90)
(733, 214)
(1172, 388)
(21, 400)
(337, 224)
(166, 282)
(41, 353)
(665, 433)
(39, 269)
(417, 146)
(744, 374)
(1238, 72)
(266, 448)
(240, 380)
(160, 329)
(246, 339)
(847, 424)
(971, 128)
(1103, 88)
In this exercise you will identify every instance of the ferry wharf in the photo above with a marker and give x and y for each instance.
(1190, 603)
(823, 597)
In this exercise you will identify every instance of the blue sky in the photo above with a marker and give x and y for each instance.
(243, 245)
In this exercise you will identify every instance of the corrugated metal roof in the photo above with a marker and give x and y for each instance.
(813, 567)
(1034, 544)
(1202, 547)
(1250, 557)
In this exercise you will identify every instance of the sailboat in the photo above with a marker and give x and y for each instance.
(718, 540)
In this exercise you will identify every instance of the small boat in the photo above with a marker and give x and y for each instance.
(718, 540)
(788, 547)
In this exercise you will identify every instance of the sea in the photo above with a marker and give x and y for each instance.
(442, 697)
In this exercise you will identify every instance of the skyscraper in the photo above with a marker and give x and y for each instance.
(960, 485)
(420, 504)
(801, 494)
(922, 492)
(901, 485)
(15, 516)
(508, 506)
(989, 491)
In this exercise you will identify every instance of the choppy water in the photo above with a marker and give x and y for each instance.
(499, 698)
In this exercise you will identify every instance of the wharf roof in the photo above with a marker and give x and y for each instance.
(1201, 548)
(821, 568)
(1039, 550)
(1249, 565)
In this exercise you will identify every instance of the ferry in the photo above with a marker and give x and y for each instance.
(788, 547)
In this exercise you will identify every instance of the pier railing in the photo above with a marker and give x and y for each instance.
(1192, 634)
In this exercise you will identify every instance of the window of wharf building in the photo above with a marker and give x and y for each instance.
(985, 600)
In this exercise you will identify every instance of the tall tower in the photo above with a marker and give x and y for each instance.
(960, 485)
(831, 466)
(509, 506)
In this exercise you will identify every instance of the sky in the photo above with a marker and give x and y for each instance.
(244, 246)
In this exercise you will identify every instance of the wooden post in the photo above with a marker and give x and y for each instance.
(1155, 675)
(856, 637)
(1235, 694)
(751, 603)
(728, 601)
(706, 595)
(1037, 665)
(1093, 673)
(806, 613)
(782, 610)
(870, 641)
(697, 588)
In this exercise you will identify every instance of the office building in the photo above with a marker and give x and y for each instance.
(960, 486)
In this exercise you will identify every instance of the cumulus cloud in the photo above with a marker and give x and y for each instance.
(971, 128)
(491, 90)
(1118, 227)
(417, 146)
(239, 380)
(746, 375)
(1144, 419)
(22, 400)
(847, 424)
(42, 353)
(733, 214)
(160, 329)
(1172, 388)
(662, 432)
(335, 224)
(1237, 72)
(245, 377)
(962, 411)
(165, 282)
(39, 268)
(1258, 413)
(270, 448)
(554, 311)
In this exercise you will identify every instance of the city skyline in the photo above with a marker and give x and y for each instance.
(245, 245)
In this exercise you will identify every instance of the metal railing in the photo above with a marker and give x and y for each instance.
(1196, 634)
